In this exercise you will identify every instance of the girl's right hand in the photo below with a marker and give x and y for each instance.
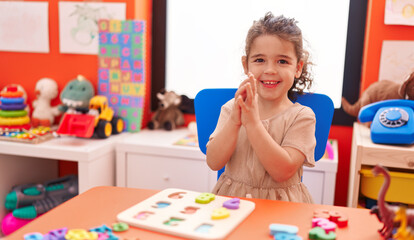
(241, 95)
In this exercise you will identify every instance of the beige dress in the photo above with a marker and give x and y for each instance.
(245, 176)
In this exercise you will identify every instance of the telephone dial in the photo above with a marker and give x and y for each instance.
(392, 121)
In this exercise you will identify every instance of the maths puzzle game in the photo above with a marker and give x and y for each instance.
(188, 214)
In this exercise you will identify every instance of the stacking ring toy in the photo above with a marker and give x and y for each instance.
(11, 100)
(14, 121)
(12, 94)
(19, 106)
(13, 114)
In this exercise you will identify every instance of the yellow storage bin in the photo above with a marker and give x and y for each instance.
(401, 187)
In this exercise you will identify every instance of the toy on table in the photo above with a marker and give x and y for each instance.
(76, 94)
(284, 232)
(99, 233)
(188, 214)
(379, 91)
(13, 113)
(33, 135)
(43, 113)
(391, 216)
(100, 120)
(168, 115)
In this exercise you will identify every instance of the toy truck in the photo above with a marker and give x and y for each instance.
(99, 119)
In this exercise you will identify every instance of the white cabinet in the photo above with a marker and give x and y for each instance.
(320, 180)
(149, 159)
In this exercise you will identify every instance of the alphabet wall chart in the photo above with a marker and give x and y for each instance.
(121, 69)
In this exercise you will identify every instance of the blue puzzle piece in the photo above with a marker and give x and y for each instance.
(283, 228)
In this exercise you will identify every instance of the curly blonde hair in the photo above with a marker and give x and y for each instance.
(286, 29)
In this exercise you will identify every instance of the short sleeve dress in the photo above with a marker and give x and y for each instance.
(245, 176)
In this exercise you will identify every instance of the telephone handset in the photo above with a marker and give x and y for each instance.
(392, 121)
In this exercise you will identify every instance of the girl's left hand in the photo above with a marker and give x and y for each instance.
(249, 107)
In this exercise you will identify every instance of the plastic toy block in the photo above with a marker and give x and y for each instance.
(101, 229)
(81, 234)
(205, 198)
(233, 203)
(220, 213)
(339, 218)
(283, 228)
(120, 227)
(33, 236)
(57, 234)
(286, 236)
(318, 233)
(324, 223)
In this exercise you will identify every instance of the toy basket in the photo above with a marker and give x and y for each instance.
(400, 189)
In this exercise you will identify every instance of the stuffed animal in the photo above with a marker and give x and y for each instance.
(379, 91)
(76, 95)
(43, 113)
(168, 115)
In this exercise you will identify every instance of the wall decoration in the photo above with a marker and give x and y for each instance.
(399, 12)
(78, 24)
(24, 26)
(121, 69)
(397, 60)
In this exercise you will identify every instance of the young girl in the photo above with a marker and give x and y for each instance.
(261, 137)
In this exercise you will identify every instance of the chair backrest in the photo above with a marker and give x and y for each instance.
(208, 104)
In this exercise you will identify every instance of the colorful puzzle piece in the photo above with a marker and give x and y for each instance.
(57, 234)
(33, 236)
(120, 227)
(337, 217)
(80, 234)
(324, 223)
(232, 203)
(101, 229)
(318, 233)
(205, 198)
(286, 236)
(283, 228)
(220, 213)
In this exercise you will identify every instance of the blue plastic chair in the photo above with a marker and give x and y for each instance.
(208, 104)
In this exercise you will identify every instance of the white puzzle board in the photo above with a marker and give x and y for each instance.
(175, 211)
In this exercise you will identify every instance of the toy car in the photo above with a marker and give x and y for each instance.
(99, 119)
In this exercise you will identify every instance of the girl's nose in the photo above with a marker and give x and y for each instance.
(270, 69)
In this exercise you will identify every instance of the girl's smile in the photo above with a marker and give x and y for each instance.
(269, 83)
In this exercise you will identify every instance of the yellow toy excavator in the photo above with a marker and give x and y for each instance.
(100, 120)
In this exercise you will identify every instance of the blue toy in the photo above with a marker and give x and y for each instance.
(392, 121)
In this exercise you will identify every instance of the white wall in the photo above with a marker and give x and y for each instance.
(205, 41)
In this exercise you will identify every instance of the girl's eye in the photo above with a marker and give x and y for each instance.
(259, 60)
(283, 61)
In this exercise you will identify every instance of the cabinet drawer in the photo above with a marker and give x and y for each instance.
(314, 181)
(160, 172)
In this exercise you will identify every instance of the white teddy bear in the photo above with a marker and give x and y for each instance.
(43, 113)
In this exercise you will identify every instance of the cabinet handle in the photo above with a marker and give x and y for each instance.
(410, 164)
(166, 178)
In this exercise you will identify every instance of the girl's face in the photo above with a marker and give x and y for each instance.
(273, 63)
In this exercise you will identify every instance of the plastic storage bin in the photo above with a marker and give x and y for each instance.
(400, 190)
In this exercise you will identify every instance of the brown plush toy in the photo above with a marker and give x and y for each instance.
(379, 91)
(168, 115)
